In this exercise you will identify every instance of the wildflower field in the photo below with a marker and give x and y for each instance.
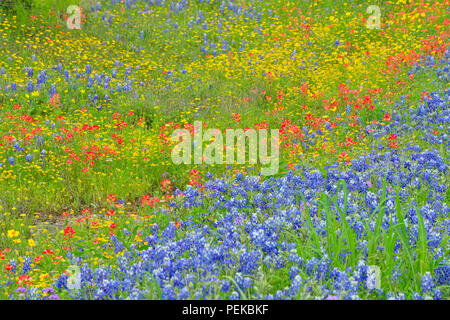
(92, 206)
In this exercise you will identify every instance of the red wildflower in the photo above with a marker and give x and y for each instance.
(47, 251)
(150, 201)
(394, 145)
(343, 156)
(24, 279)
(38, 259)
(68, 232)
(392, 136)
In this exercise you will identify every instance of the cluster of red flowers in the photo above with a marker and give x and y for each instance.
(195, 177)
(68, 232)
(343, 157)
(165, 185)
(393, 144)
(54, 101)
(149, 201)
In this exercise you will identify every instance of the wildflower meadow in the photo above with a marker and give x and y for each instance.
(224, 150)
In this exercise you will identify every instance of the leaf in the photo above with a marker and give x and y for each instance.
(422, 247)
(311, 226)
(349, 232)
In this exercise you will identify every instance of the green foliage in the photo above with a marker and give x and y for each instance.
(15, 6)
